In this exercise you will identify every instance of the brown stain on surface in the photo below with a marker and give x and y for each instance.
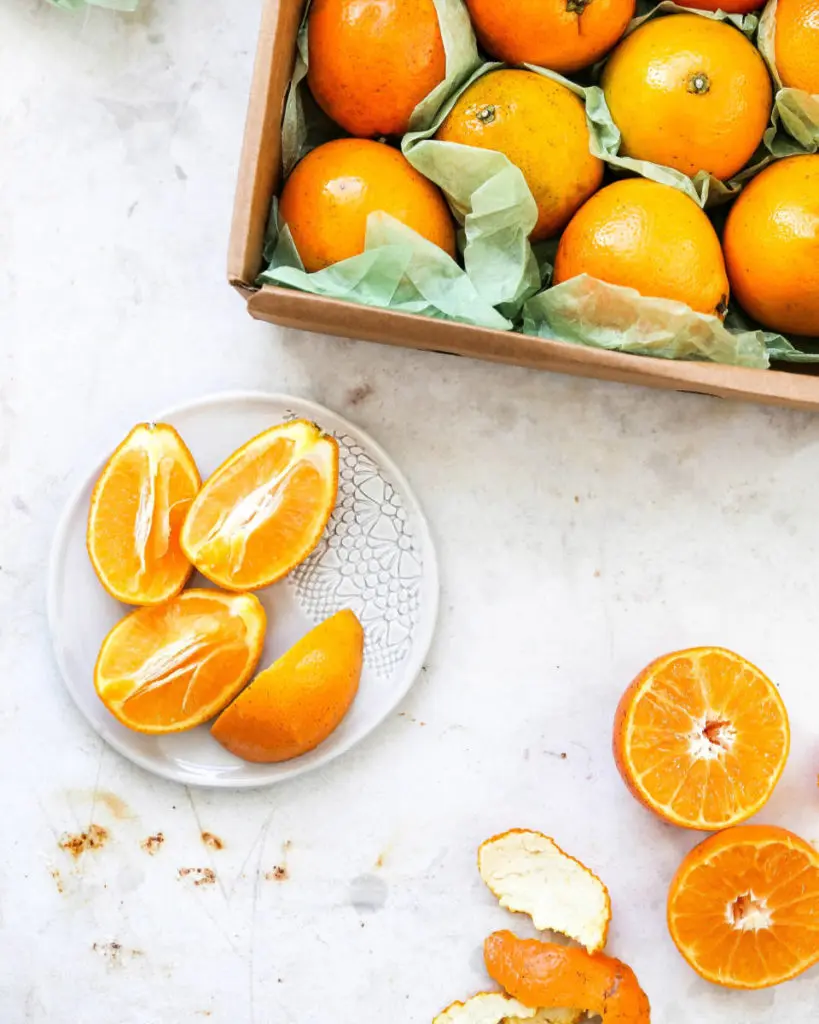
(77, 843)
(199, 876)
(153, 844)
(277, 874)
(114, 953)
(58, 880)
(115, 804)
(213, 841)
(359, 394)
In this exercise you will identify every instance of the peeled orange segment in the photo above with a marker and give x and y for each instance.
(743, 908)
(497, 1008)
(264, 510)
(543, 973)
(136, 515)
(296, 703)
(171, 667)
(701, 738)
(530, 874)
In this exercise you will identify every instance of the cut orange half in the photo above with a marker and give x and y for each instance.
(265, 508)
(701, 738)
(136, 514)
(743, 908)
(171, 667)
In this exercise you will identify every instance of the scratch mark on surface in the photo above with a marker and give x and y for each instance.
(261, 835)
(96, 782)
(203, 832)
(253, 913)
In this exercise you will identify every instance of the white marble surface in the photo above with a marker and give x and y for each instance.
(582, 528)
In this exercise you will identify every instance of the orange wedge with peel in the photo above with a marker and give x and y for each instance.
(530, 874)
(136, 514)
(498, 1008)
(701, 738)
(168, 668)
(300, 699)
(546, 974)
(264, 510)
(743, 908)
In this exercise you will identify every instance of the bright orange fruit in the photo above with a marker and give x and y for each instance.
(771, 244)
(701, 738)
(265, 508)
(171, 667)
(545, 974)
(540, 126)
(797, 43)
(690, 93)
(330, 194)
(743, 908)
(623, 236)
(300, 699)
(564, 35)
(136, 513)
(371, 62)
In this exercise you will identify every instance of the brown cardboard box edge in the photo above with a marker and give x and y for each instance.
(259, 175)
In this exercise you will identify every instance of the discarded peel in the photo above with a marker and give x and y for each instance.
(265, 508)
(136, 513)
(743, 908)
(530, 874)
(543, 973)
(168, 668)
(701, 738)
(497, 1008)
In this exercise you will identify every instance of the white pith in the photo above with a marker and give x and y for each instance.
(498, 1008)
(530, 874)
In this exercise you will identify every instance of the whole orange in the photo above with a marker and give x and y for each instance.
(300, 699)
(540, 126)
(326, 200)
(797, 43)
(690, 93)
(771, 244)
(371, 62)
(564, 35)
(729, 6)
(651, 237)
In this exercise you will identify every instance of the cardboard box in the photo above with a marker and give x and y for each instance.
(259, 179)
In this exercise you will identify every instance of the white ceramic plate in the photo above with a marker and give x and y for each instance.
(376, 558)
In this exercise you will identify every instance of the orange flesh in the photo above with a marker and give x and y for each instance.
(136, 515)
(545, 974)
(171, 667)
(701, 738)
(264, 510)
(743, 908)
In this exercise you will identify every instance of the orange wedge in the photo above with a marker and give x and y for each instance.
(544, 974)
(743, 908)
(136, 514)
(265, 508)
(701, 738)
(171, 667)
(300, 699)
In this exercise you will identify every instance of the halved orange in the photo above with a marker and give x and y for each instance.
(701, 738)
(136, 514)
(171, 667)
(743, 908)
(264, 510)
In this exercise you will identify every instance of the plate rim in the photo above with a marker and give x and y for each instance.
(415, 661)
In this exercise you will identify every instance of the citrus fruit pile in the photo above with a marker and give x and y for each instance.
(701, 738)
(686, 92)
(185, 656)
